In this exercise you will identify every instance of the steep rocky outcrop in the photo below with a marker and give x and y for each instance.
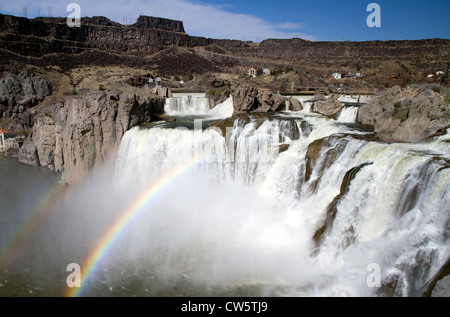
(81, 132)
(247, 98)
(21, 92)
(407, 115)
(159, 24)
(32, 40)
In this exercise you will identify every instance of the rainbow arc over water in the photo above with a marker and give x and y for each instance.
(109, 238)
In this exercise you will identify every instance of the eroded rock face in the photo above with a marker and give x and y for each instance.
(408, 115)
(21, 92)
(247, 98)
(82, 131)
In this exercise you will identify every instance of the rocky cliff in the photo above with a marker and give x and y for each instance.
(107, 42)
(42, 36)
(81, 132)
(421, 54)
(21, 92)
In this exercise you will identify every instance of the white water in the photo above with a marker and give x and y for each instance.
(348, 114)
(353, 99)
(187, 105)
(222, 110)
(197, 104)
(241, 219)
(245, 217)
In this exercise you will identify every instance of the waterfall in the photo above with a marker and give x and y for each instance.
(307, 106)
(222, 110)
(244, 153)
(285, 204)
(322, 201)
(187, 105)
(348, 114)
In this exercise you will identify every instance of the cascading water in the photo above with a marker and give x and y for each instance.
(187, 105)
(291, 204)
(348, 114)
(318, 231)
(197, 105)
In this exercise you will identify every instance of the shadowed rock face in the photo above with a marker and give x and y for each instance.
(159, 23)
(38, 37)
(408, 115)
(81, 132)
(43, 36)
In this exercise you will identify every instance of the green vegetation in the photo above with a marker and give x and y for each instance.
(214, 92)
(401, 116)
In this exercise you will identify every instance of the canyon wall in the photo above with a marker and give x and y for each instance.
(79, 133)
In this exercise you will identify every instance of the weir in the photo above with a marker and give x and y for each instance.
(193, 104)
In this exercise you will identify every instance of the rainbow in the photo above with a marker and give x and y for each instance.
(131, 212)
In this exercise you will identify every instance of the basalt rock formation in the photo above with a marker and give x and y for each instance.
(406, 115)
(329, 107)
(19, 93)
(100, 41)
(247, 98)
(80, 132)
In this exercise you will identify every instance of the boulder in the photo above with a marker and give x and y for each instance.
(294, 104)
(247, 98)
(329, 107)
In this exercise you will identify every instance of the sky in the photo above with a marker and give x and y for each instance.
(253, 20)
